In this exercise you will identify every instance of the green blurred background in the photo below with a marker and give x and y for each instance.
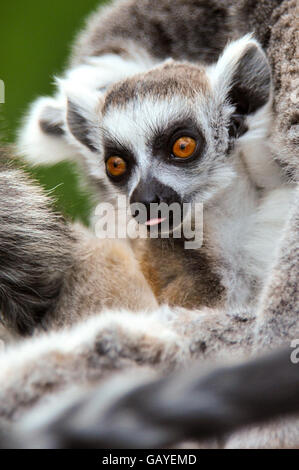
(35, 40)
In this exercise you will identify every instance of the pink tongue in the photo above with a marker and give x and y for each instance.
(154, 221)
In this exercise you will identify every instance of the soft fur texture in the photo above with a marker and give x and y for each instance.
(275, 23)
(53, 273)
(226, 106)
(98, 276)
(34, 252)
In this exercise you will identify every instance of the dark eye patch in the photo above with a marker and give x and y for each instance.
(162, 141)
(112, 147)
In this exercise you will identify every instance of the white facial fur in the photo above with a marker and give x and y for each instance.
(134, 124)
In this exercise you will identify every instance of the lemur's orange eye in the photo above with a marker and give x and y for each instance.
(116, 166)
(184, 147)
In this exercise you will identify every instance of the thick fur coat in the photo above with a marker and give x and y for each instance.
(103, 280)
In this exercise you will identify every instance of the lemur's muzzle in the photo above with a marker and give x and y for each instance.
(150, 203)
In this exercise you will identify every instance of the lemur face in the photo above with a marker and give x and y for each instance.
(164, 139)
(167, 135)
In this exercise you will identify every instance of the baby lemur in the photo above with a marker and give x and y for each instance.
(158, 113)
(124, 108)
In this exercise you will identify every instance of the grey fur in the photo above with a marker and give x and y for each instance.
(157, 27)
(275, 25)
(35, 252)
(251, 82)
(277, 324)
(79, 126)
(167, 410)
(278, 316)
(51, 122)
(86, 353)
(133, 28)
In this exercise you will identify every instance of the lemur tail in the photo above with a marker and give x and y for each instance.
(35, 252)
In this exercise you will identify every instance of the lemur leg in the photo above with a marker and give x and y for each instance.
(278, 319)
(277, 325)
(37, 368)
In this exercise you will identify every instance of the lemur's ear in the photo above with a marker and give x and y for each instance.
(42, 138)
(83, 116)
(243, 76)
(47, 136)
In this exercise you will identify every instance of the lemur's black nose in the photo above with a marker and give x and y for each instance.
(149, 192)
(142, 198)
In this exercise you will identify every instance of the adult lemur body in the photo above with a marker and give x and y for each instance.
(122, 97)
